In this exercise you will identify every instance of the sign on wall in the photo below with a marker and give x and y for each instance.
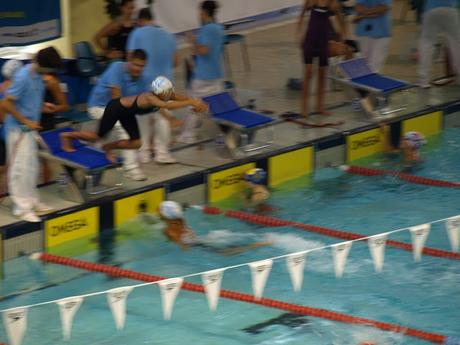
(128, 208)
(223, 184)
(364, 144)
(75, 226)
(24, 22)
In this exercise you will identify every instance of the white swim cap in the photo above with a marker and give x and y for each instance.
(171, 210)
(162, 86)
(10, 68)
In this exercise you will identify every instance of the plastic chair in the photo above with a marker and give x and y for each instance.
(87, 62)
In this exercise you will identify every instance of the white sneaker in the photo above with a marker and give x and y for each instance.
(42, 208)
(30, 216)
(135, 174)
(145, 157)
(165, 159)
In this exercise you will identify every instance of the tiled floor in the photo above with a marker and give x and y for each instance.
(275, 57)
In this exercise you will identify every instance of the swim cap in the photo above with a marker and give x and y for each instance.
(162, 86)
(414, 139)
(10, 68)
(171, 210)
(256, 176)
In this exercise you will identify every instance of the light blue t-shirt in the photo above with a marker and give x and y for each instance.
(160, 46)
(209, 66)
(430, 4)
(378, 27)
(116, 75)
(28, 90)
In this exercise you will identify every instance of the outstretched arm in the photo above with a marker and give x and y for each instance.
(178, 102)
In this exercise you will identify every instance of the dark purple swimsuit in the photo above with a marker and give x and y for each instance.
(317, 36)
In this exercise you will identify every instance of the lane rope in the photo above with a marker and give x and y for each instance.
(364, 171)
(277, 222)
(243, 297)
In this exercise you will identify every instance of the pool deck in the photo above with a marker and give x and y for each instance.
(274, 57)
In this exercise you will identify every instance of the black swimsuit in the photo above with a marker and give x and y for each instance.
(115, 111)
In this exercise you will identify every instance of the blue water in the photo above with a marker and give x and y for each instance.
(422, 295)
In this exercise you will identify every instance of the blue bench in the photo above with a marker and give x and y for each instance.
(356, 73)
(225, 111)
(90, 160)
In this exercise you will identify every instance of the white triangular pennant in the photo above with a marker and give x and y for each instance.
(259, 273)
(295, 264)
(67, 309)
(453, 231)
(377, 248)
(117, 303)
(211, 282)
(169, 289)
(419, 235)
(15, 321)
(340, 253)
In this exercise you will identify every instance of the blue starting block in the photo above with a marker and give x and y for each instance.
(225, 111)
(357, 74)
(89, 161)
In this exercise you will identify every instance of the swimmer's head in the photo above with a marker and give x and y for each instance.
(255, 176)
(163, 88)
(414, 140)
(171, 210)
(10, 68)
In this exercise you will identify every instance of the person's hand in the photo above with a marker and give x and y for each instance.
(199, 106)
(49, 107)
(33, 125)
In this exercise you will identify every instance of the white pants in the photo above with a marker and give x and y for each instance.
(438, 20)
(156, 126)
(199, 89)
(374, 50)
(23, 169)
(118, 133)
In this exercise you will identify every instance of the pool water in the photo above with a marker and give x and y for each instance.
(422, 295)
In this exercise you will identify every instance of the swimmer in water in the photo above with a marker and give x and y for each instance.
(408, 145)
(177, 231)
(256, 193)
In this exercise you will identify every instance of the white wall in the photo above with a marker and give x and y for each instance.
(182, 15)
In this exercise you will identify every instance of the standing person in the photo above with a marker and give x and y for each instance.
(440, 16)
(373, 28)
(23, 104)
(316, 44)
(55, 102)
(125, 109)
(111, 39)
(9, 69)
(208, 71)
(121, 79)
(162, 57)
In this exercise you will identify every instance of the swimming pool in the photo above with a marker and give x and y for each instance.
(421, 295)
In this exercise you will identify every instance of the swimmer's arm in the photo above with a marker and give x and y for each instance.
(198, 105)
(300, 22)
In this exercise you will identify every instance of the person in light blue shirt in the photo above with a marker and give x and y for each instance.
(162, 57)
(439, 17)
(121, 79)
(373, 29)
(24, 105)
(208, 72)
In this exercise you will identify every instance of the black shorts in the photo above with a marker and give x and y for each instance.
(47, 122)
(115, 111)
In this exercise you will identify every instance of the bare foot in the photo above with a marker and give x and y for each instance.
(110, 156)
(66, 143)
(324, 112)
(304, 114)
